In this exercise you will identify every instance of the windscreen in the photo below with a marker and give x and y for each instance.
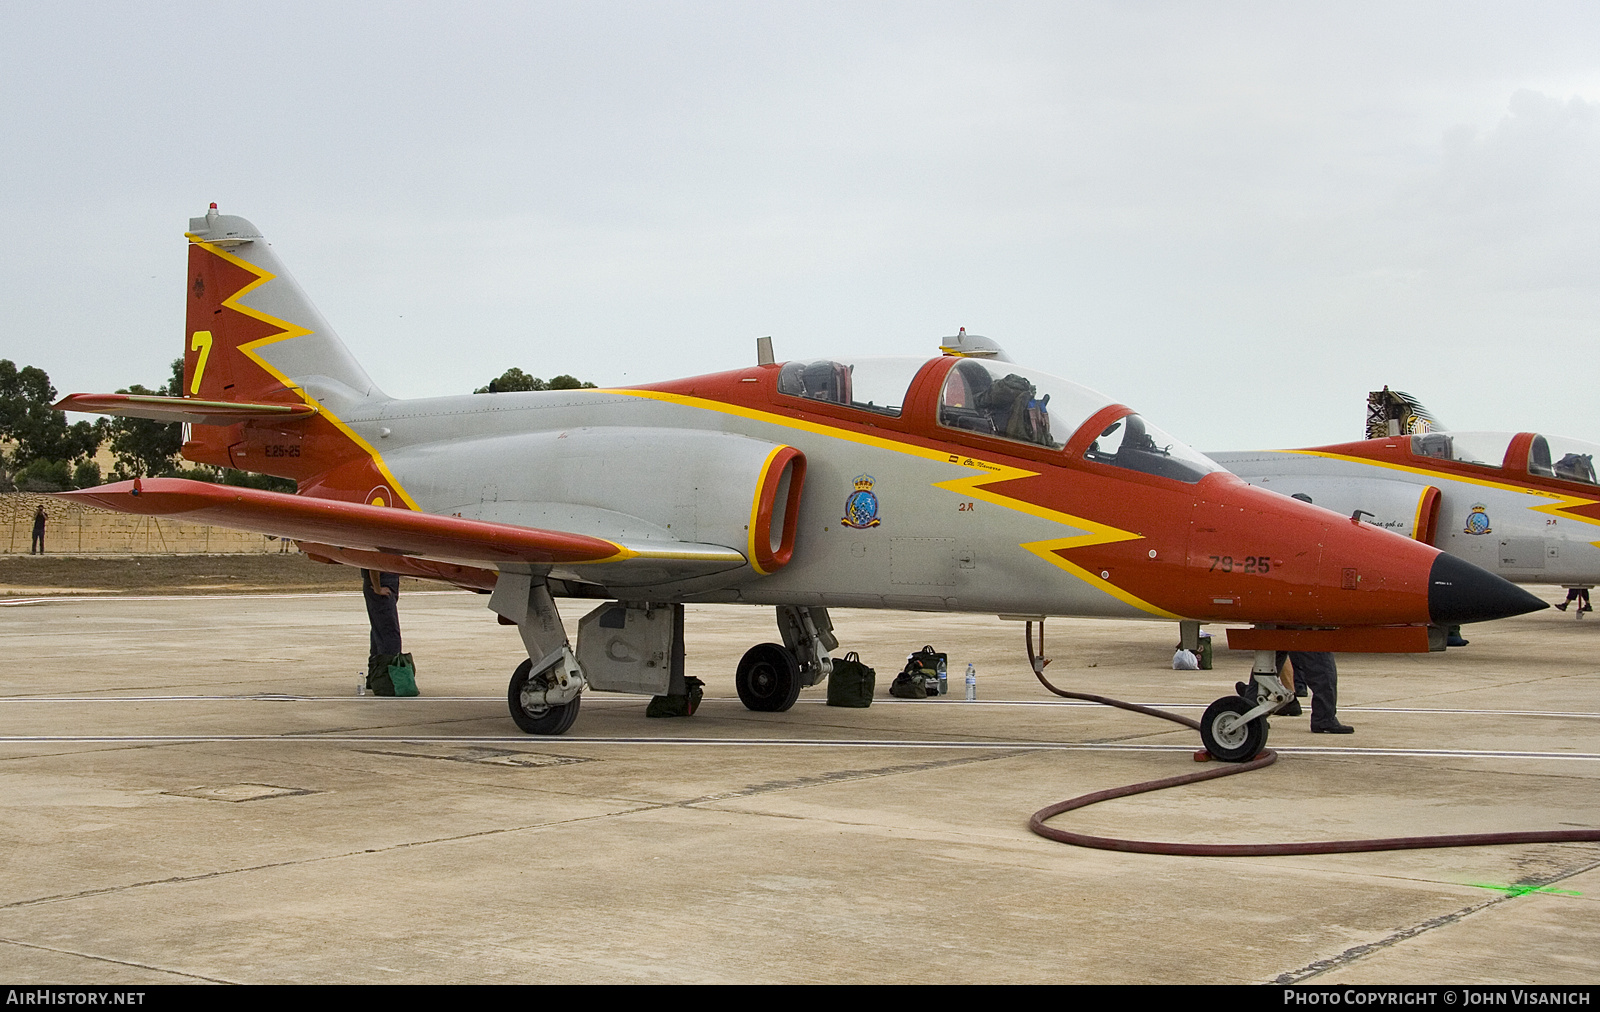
(1133, 443)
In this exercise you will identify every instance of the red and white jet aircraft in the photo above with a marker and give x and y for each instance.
(1525, 505)
(960, 483)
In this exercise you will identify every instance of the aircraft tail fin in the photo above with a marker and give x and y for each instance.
(252, 334)
(253, 340)
(1397, 413)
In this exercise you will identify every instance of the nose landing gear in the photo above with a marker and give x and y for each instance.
(1227, 736)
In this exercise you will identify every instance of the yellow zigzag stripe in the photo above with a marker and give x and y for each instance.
(972, 486)
(287, 331)
(1559, 507)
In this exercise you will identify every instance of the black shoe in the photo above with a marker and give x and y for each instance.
(1562, 606)
(1455, 641)
(1294, 709)
(1334, 728)
(1246, 690)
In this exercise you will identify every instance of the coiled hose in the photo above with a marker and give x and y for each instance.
(1265, 759)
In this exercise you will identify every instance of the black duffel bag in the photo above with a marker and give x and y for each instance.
(851, 682)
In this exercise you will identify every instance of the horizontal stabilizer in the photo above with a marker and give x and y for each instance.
(181, 409)
(387, 529)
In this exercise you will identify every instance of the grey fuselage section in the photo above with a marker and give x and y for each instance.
(1493, 522)
(659, 472)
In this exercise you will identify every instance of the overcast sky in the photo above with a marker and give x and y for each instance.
(1237, 218)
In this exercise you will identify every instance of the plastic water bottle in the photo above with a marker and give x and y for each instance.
(361, 686)
(972, 682)
(944, 679)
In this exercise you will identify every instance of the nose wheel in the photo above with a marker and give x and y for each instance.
(1227, 737)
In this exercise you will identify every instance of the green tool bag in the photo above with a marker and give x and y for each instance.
(928, 663)
(678, 706)
(851, 682)
(403, 675)
(910, 683)
(392, 675)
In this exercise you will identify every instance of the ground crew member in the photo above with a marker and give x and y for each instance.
(38, 532)
(381, 592)
(1320, 674)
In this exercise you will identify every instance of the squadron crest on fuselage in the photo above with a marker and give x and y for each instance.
(1478, 520)
(861, 508)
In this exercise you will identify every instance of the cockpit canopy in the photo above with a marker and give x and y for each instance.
(1560, 457)
(1548, 456)
(1001, 401)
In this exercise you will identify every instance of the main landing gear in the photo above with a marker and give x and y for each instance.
(768, 679)
(1234, 728)
(531, 712)
(637, 647)
(770, 676)
(546, 688)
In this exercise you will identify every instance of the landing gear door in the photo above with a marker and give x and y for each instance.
(627, 648)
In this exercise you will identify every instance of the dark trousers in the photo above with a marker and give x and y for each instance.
(1321, 676)
(383, 612)
(38, 543)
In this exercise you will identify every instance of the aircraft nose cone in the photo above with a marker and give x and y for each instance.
(1461, 592)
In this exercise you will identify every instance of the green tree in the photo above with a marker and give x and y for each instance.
(511, 380)
(144, 448)
(41, 437)
(514, 379)
(565, 382)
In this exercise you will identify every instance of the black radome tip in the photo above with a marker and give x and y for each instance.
(1460, 592)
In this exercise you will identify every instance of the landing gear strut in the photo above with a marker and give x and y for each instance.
(529, 711)
(545, 689)
(771, 676)
(1234, 728)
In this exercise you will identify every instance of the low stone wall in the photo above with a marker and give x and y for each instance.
(71, 529)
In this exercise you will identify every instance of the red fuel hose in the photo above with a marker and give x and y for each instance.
(1266, 758)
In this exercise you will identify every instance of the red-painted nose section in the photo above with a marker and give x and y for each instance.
(1254, 556)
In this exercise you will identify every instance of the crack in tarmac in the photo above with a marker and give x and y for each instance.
(843, 776)
(1356, 952)
(634, 808)
(186, 879)
(111, 959)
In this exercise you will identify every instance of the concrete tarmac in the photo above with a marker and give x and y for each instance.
(192, 791)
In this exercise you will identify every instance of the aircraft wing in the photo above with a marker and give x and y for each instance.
(181, 409)
(392, 531)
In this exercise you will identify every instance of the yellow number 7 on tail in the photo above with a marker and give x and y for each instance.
(202, 344)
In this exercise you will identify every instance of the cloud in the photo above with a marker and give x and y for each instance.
(1515, 206)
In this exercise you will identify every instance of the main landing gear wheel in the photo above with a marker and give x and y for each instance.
(768, 678)
(538, 719)
(1228, 739)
